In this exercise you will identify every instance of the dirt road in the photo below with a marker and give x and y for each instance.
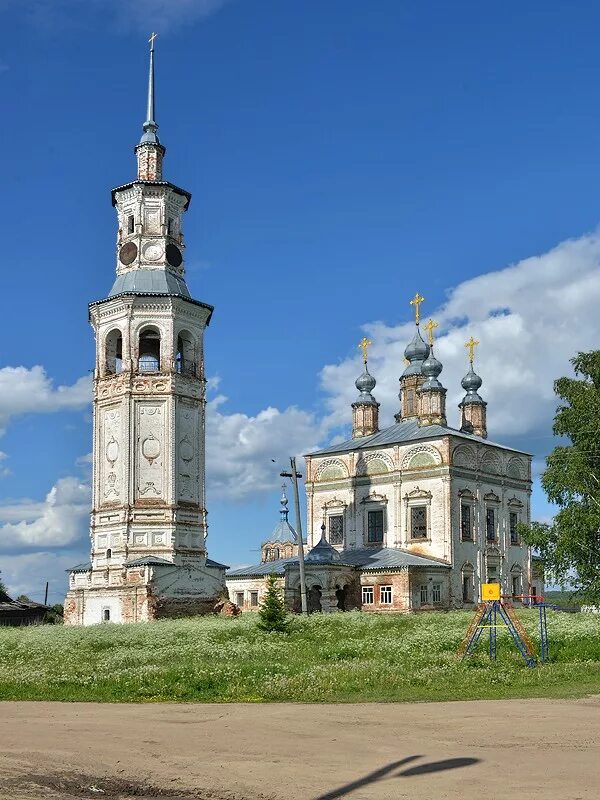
(546, 749)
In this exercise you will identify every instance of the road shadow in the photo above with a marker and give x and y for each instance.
(389, 771)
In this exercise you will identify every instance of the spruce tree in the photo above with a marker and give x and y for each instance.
(272, 613)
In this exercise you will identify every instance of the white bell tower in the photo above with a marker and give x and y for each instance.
(148, 523)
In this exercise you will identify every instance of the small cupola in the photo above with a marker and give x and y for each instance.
(365, 409)
(432, 395)
(412, 378)
(473, 411)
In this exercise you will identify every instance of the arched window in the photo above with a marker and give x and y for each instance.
(108, 553)
(275, 552)
(114, 352)
(149, 350)
(185, 362)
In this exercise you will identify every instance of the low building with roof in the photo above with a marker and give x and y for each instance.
(414, 516)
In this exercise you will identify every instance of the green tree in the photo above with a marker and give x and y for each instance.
(272, 613)
(570, 545)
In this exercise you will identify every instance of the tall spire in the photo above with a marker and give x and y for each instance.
(150, 151)
(150, 126)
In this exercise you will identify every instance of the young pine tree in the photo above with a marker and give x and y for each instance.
(272, 613)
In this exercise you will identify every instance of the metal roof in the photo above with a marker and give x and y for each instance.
(172, 186)
(268, 568)
(149, 281)
(211, 563)
(85, 567)
(369, 559)
(407, 430)
(366, 559)
(148, 561)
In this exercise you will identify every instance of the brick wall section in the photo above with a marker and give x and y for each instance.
(400, 584)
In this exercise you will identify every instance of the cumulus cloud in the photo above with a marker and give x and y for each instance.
(239, 448)
(27, 573)
(530, 319)
(24, 391)
(61, 519)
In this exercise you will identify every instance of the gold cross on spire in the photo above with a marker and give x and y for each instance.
(430, 327)
(364, 346)
(471, 345)
(416, 302)
(151, 40)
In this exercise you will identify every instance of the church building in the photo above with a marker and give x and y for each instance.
(148, 523)
(415, 516)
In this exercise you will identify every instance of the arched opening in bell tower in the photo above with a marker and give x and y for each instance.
(114, 353)
(149, 350)
(185, 362)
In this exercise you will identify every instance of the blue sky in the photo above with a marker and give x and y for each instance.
(341, 156)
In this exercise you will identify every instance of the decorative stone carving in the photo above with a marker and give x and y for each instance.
(464, 456)
(424, 455)
(331, 469)
(151, 448)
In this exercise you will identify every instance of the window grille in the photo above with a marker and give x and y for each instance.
(513, 522)
(418, 522)
(424, 594)
(375, 526)
(490, 524)
(253, 599)
(466, 522)
(437, 592)
(336, 529)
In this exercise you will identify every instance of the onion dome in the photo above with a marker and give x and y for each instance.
(431, 369)
(365, 385)
(323, 552)
(416, 352)
(471, 383)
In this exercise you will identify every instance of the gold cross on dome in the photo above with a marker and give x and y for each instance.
(430, 327)
(364, 346)
(471, 345)
(153, 36)
(416, 302)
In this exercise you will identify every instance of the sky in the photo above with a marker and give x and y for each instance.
(341, 155)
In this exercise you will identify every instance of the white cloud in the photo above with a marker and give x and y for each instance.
(530, 318)
(61, 519)
(162, 15)
(24, 391)
(240, 448)
(27, 573)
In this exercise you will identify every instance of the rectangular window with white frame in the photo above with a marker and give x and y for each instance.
(368, 595)
(436, 592)
(385, 595)
(424, 594)
(239, 599)
(253, 599)
(418, 522)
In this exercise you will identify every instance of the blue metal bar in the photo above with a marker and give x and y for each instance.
(529, 659)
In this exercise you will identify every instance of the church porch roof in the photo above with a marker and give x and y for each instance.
(365, 559)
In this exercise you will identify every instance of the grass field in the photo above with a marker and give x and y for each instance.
(325, 658)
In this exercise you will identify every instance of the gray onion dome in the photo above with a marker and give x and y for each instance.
(365, 385)
(431, 368)
(471, 383)
(416, 352)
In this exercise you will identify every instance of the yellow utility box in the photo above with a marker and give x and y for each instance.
(490, 591)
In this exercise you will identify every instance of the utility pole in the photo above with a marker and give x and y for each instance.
(294, 475)
(46, 595)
